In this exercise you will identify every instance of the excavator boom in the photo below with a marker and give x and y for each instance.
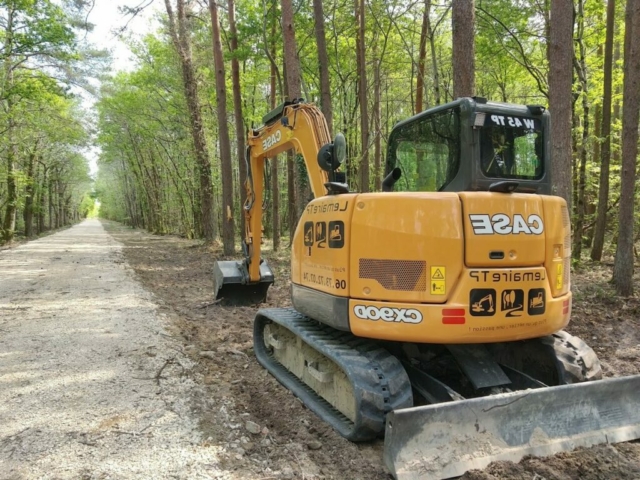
(293, 125)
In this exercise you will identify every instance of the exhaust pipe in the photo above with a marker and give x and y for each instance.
(391, 179)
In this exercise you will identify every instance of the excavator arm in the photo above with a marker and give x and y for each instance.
(299, 126)
(296, 125)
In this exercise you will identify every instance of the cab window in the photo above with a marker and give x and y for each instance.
(427, 150)
(511, 148)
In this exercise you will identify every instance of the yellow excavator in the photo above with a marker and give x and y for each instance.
(431, 312)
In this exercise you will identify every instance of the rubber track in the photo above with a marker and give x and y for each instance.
(380, 383)
(576, 361)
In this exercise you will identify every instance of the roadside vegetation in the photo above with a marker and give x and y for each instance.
(172, 130)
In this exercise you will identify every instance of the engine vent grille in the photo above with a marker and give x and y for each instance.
(566, 223)
(566, 263)
(404, 275)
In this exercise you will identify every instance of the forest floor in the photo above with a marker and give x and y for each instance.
(293, 442)
(248, 426)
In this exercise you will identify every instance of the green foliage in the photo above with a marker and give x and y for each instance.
(148, 173)
(88, 207)
(43, 127)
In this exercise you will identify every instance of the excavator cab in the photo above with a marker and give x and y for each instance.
(473, 145)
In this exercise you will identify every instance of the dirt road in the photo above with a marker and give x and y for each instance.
(101, 379)
(91, 385)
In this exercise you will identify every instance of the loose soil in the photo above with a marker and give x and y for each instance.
(298, 444)
(265, 432)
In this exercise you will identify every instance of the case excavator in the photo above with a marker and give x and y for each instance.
(432, 312)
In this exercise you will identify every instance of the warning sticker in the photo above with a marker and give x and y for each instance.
(438, 285)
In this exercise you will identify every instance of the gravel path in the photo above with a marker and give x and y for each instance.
(92, 384)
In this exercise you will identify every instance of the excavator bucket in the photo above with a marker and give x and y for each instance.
(232, 287)
(445, 440)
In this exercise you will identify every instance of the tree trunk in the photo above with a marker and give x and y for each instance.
(420, 161)
(422, 55)
(28, 201)
(377, 120)
(292, 63)
(291, 193)
(323, 64)
(623, 266)
(292, 77)
(434, 63)
(362, 95)
(463, 23)
(575, 126)
(237, 107)
(275, 188)
(615, 135)
(50, 203)
(228, 226)
(9, 223)
(41, 201)
(581, 67)
(57, 202)
(180, 37)
(605, 150)
(291, 181)
(560, 71)
(597, 148)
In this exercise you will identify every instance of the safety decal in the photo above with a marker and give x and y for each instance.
(308, 234)
(323, 234)
(512, 304)
(437, 283)
(482, 302)
(536, 303)
(336, 234)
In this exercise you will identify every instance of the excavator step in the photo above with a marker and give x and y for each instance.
(349, 382)
(447, 439)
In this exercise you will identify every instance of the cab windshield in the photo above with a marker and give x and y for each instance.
(511, 147)
(427, 150)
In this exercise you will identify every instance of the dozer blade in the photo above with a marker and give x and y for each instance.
(445, 440)
(231, 286)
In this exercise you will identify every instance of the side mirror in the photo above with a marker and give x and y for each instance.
(340, 149)
(332, 155)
